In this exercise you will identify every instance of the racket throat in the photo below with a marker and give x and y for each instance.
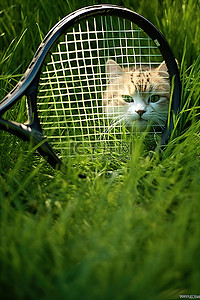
(31, 104)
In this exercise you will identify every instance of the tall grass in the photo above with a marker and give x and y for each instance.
(134, 235)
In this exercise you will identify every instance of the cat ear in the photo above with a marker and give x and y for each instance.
(113, 70)
(162, 69)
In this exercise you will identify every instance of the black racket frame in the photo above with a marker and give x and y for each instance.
(28, 85)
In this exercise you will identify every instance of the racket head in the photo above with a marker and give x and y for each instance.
(65, 81)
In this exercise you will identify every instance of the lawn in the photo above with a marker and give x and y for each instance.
(132, 235)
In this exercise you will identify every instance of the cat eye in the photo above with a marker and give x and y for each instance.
(128, 98)
(154, 98)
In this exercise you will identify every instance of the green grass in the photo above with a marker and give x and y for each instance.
(134, 235)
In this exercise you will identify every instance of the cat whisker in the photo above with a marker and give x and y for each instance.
(159, 120)
(159, 117)
(114, 123)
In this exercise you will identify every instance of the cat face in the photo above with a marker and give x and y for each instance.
(137, 97)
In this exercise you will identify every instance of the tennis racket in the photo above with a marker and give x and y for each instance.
(66, 82)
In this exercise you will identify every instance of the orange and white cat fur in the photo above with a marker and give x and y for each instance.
(137, 96)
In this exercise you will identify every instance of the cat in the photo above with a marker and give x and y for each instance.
(136, 96)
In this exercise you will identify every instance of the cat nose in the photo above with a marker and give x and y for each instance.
(140, 112)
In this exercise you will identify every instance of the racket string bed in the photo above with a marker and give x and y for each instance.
(71, 85)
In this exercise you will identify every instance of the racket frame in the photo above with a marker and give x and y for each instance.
(28, 85)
